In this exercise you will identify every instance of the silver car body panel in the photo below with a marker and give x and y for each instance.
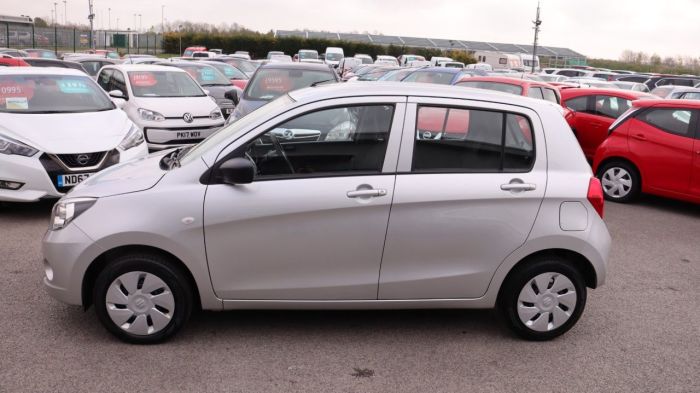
(170, 214)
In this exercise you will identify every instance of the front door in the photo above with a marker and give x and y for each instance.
(312, 224)
(695, 184)
(463, 201)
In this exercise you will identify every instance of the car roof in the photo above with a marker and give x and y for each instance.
(506, 80)
(144, 67)
(92, 58)
(40, 71)
(445, 70)
(681, 89)
(301, 66)
(338, 90)
(628, 94)
(662, 103)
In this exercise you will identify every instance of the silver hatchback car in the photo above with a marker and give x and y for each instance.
(382, 196)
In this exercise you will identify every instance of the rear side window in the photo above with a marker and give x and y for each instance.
(609, 106)
(578, 104)
(469, 140)
(691, 96)
(535, 92)
(674, 121)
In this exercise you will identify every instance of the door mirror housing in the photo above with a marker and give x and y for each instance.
(233, 96)
(117, 94)
(238, 170)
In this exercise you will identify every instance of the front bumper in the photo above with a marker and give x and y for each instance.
(40, 172)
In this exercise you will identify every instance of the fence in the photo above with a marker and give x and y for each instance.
(62, 39)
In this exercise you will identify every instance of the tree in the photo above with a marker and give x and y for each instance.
(39, 22)
(655, 60)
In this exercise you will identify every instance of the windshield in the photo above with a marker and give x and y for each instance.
(206, 75)
(308, 54)
(502, 87)
(375, 74)
(270, 83)
(163, 84)
(333, 56)
(243, 65)
(229, 71)
(51, 94)
(441, 78)
(396, 75)
(228, 131)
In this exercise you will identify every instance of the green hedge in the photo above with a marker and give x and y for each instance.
(259, 44)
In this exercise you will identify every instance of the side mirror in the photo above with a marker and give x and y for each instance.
(233, 96)
(117, 94)
(237, 171)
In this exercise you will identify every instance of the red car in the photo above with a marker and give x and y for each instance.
(655, 149)
(12, 62)
(594, 111)
(520, 87)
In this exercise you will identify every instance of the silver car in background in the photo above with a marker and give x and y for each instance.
(352, 196)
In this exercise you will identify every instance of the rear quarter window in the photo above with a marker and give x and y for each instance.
(673, 121)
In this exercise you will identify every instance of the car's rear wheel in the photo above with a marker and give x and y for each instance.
(142, 299)
(620, 181)
(543, 299)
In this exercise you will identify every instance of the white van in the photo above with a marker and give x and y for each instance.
(436, 60)
(528, 60)
(333, 55)
(500, 61)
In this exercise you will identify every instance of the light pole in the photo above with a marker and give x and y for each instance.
(162, 18)
(179, 30)
(65, 12)
(109, 18)
(117, 24)
(140, 25)
(55, 13)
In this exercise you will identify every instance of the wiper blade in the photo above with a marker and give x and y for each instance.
(319, 82)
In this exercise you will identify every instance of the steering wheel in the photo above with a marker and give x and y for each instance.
(280, 149)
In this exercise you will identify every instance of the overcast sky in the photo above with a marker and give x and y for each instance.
(596, 28)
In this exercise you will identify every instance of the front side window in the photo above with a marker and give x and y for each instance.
(51, 94)
(469, 140)
(92, 67)
(118, 82)
(104, 79)
(674, 121)
(612, 107)
(550, 95)
(163, 84)
(691, 96)
(337, 141)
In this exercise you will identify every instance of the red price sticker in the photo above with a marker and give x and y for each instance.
(142, 79)
(15, 89)
(278, 83)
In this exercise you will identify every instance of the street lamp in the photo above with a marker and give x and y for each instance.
(65, 12)
(162, 18)
(55, 13)
(140, 25)
(179, 30)
(109, 17)
(117, 24)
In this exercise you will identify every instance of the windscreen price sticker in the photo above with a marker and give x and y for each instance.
(73, 86)
(15, 90)
(276, 83)
(142, 79)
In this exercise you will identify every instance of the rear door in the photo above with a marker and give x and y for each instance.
(662, 140)
(467, 193)
(695, 170)
(584, 123)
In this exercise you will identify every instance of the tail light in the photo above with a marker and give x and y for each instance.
(595, 196)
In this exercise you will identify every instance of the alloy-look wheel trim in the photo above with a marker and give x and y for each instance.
(140, 303)
(617, 182)
(546, 302)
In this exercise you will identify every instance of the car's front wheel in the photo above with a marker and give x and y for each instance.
(543, 299)
(142, 299)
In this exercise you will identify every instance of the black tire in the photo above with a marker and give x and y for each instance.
(636, 187)
(516, 281)
(162, 269)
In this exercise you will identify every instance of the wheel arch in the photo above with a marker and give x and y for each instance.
(579, 262)
(623, 159)
(99, 264)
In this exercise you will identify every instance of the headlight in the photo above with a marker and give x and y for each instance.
(132, 139)
(215, 114)
(150, 115)
(10, 146)
(65, 211)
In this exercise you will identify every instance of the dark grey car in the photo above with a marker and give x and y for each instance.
(275, 79)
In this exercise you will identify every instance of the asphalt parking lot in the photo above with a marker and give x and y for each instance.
(639, 333)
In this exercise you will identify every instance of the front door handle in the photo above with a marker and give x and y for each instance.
(640, 137)
(366, 193)
(517, 187)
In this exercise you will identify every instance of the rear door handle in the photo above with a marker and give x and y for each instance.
(517, 187)
(371, 193)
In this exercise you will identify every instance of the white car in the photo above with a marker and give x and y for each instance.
(388, 60)
(169, 106)
(57, 127)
